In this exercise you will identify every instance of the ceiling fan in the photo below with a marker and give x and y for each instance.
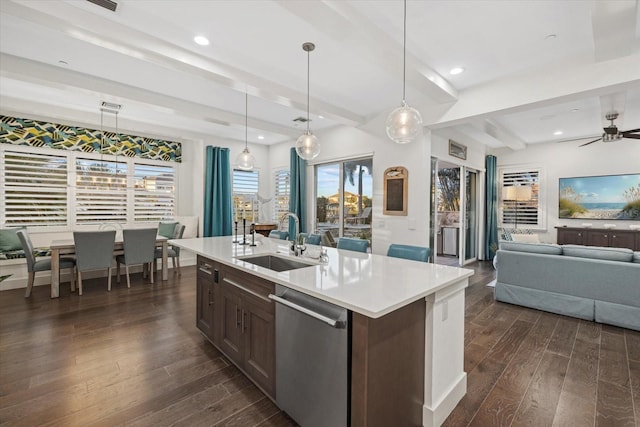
(611, 132)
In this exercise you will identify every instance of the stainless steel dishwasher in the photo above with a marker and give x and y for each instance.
(312, 359)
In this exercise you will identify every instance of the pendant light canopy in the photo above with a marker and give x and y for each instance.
(404, 123)
(307, 145)
(245, 160)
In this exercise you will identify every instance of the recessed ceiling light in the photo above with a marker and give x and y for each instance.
(321, 117)
(201, 40)
(558, 133)
(455, 71)
(550, 37)
(575, 110)
(63, 62)
(260, 136)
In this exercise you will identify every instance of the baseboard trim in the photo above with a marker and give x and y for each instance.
(435, 416)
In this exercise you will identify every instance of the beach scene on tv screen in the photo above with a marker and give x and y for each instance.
(600, 197)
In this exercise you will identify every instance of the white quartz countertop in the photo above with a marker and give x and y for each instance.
(369, 284)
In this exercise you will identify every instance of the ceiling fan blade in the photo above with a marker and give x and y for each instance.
(590, 142)
(625, 132)
(575, 139)
(632, 136)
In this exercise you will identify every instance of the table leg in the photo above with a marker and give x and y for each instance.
(165, 257)
(55, 273)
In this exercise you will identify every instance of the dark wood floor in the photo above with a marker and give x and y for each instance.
(134, 357)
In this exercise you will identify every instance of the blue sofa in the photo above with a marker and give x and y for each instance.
(587, 282)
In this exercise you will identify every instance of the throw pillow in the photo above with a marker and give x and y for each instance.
(166, 229)
(527, 238)
(9, 240)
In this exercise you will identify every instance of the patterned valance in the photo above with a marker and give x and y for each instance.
(62, 137)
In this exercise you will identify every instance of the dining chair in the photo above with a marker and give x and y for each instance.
(415, 253)
(94, 251)
(277, 234)
(314, 239)
(139, 248)
(359, 245)
(34, 265)
(172, 251)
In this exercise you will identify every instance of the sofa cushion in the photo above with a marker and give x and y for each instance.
(9, 240)
(597, 252)
(636, 257)
(538, 248)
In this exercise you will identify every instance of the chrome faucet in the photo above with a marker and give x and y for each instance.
(295, 248)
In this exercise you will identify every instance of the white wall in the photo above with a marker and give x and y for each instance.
(344, 142)
(563, 160)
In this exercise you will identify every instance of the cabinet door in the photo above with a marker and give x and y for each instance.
(598, 238)
(623, 239)
(231, 323)
(204, 308)
(571, 237)
(260, 342)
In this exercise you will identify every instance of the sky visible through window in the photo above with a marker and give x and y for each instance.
(329, 178)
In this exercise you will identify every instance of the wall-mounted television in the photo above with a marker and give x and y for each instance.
(611, 197)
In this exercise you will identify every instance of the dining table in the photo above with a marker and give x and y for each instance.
(68, 247)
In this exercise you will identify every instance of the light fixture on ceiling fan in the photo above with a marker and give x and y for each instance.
(611, 132)
(245, 160)
(307, 145)
(404, 123)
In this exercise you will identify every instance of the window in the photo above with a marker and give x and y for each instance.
(101, 191)
(154, 192)
(344, 195)
(48, 187)
(34, 189)
(245, 195)
(520, 198)
(282, 192)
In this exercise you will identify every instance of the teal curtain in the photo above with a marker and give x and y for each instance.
(491, 206)
(217, 193)
(298, 195)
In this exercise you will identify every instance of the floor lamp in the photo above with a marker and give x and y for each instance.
(520, 193)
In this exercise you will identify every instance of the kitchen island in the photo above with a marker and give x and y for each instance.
(407, 323)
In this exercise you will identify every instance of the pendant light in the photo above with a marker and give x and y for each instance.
(245, 160)
(404, 123)
(307, 145)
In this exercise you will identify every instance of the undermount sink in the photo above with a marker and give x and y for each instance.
(275, 263)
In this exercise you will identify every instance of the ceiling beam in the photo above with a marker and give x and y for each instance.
(107, 34)
(56, 77)
(342, 22)
(543, 87)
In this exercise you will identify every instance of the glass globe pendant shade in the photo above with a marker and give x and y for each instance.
(404, 124)
(245, 160)
(307, 146)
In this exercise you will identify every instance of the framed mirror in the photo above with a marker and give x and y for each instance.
(395, 196)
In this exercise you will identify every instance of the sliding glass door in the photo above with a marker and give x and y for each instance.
(344, 194)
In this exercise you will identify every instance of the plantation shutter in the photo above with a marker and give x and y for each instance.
(101, 191)
(520, 198)
(245, 195)
(154, 192)
(34, 189)
(282, 192)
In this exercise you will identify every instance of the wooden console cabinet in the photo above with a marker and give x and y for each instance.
(599, 237)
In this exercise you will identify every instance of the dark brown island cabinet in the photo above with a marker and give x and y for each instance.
(387, 354)
(604, 237)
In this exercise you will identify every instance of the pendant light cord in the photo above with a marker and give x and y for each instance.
(246, 120)
(308, 62)
(404, 53)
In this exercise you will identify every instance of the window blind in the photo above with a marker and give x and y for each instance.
(520, 197)
(154, 192)
(282, 187)
(34, 189)
(101, 191)
(245, 195)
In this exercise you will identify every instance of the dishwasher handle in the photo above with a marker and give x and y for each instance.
(334, 323)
